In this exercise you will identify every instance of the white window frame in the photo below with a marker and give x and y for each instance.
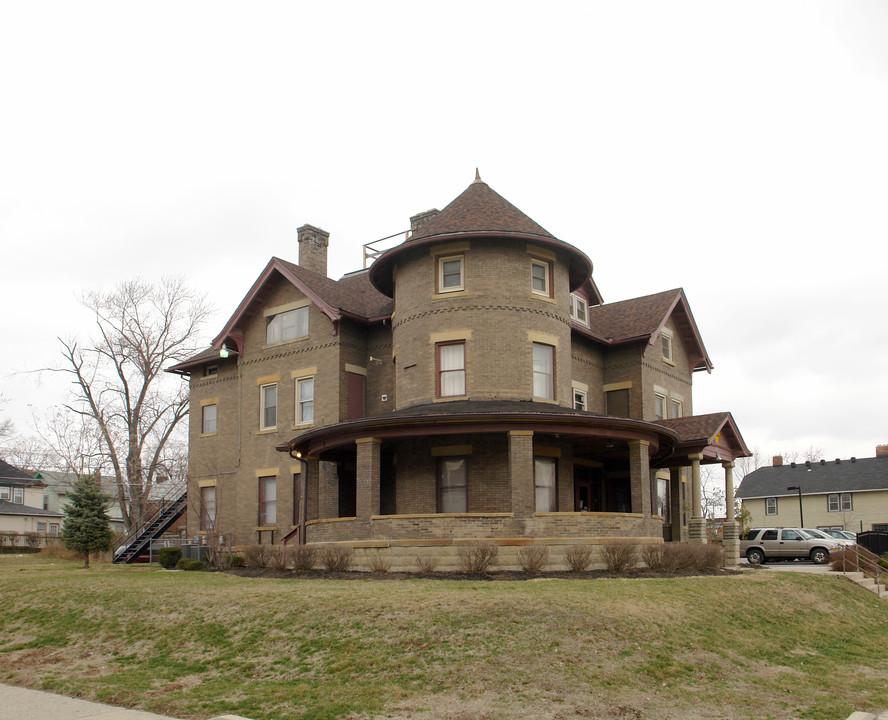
(659, 412)
(546, 290)
(667, 346)
(441, 274)
(302, 402)
(771, 506)
(675, 409)
(18, 495)
(576, 303)
(839, 502)
(546, 374)
(204, 420)
(580, 399)
(54, 528)
(279, 324)
(41, 528)
(267, 501)
(263, 406)
(5, 492)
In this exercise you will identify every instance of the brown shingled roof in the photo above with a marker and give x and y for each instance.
(480, 209)
(353, 293)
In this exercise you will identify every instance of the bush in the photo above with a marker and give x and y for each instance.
(427, 564)
(305, 558)
(619, 557)
(476, 558)
(189, 564)
(237, 561)
(337, 558)
(578, 557)
(276, 557)
(380, 564)
(168, 557)
(654, 556)
(533, 558)
(257, 556)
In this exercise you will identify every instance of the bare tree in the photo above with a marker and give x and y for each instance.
(119, 389)
(6, 428)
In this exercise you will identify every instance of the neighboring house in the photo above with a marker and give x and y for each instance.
(24, 504)
(469, 385)
(58, 488)
(843, 494)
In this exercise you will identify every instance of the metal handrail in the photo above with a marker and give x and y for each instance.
(165, 501)
(865, 561)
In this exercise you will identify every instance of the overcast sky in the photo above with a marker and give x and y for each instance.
(737, 150)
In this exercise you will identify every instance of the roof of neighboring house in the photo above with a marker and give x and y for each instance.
(644, 318)
(817, 478)
(10, 475)
(9, 508)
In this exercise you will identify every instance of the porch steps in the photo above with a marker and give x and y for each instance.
(867, 583)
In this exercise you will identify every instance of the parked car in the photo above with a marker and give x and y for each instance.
(841, 534)
(763, 544)
(823, 534)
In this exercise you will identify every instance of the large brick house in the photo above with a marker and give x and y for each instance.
(470, 384)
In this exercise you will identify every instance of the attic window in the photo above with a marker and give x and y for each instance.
(666, 344)
(578, 309)
(287, 325)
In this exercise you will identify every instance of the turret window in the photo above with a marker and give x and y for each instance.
(543, 371)
(450, 274)
(578, 309)
(541, 278)
(451, 369)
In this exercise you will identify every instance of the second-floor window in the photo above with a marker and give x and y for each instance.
(659, 406)
(617, 403)
(208, 419)
(450, 274)
(543, 371)
(4, 493)
(666, 345)
(579, 399)
(675, 409)
(541, 277)
(268, 406)
(287, 325)
(578, 309)
(451, 369)
(771, 506)
(304, 400)
(839, 502)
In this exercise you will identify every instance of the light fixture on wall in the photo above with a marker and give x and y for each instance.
(226, 351)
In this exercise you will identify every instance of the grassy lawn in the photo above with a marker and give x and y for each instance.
(193, 645)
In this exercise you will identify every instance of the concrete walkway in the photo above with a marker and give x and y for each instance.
(22, 704)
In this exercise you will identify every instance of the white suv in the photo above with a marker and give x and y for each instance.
(763, 544)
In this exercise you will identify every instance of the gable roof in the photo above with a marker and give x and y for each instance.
(643, 319)
(480, 209)
(817, 478)
(352, 297)
(715, 435)
(10, 475)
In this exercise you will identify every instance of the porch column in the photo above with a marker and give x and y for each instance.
(697, 526)
(676, 505)
(521, 472)
(640, 477)
(328, 490)
(368, 474)
(731, 526)
(312, 472)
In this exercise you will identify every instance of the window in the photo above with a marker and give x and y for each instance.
(541, 278)
(452, 485)
(659, 406)
(451, 369)
(4, 493)
(268, 406)
(450, 274)
(839, 502)
(771, 506)
(543, 371)
(210, 370)
(287, 325)
(18, 495)
(675, 409)
(46, 502)
(617, 403)
(663, 499)
(578, 309)
(208, 419)
(304, 400)
(267, 501)
(579, 399)
(666, 345)
(768, 535)
(41, 528)
(53, 528)
(544, 483)
(208, 507)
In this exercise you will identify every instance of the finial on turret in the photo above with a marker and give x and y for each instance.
(478, 176)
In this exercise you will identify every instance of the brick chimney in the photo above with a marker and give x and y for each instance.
(313, 249)
(777, 461)
(421, 219)
(881, 450)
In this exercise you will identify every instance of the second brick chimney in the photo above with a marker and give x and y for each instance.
(313, 249)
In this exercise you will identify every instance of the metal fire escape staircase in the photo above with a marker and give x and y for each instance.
(163, 512)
